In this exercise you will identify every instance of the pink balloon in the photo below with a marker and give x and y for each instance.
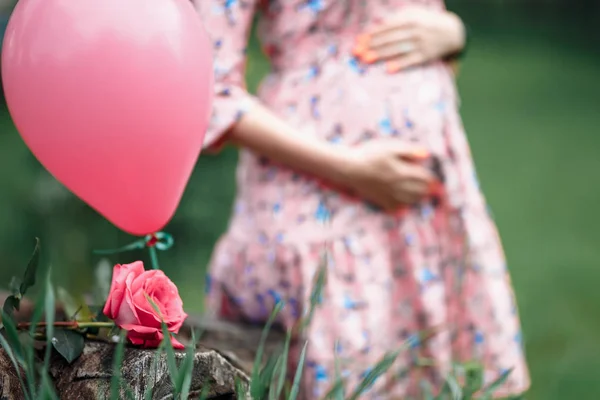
(113, 98)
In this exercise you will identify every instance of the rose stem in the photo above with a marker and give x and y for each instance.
(68, 324)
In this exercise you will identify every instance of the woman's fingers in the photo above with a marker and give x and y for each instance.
(396, 50)
(394, 43)
(391, 38)
(407, 61)
(415, 173)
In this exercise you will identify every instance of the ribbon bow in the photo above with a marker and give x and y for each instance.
(156, 241)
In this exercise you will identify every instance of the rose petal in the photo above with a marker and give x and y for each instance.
(125, 315)
(117, 286)
(147, 341)
(141, 330)
(176, 344)
(147, 314)
(128, 294)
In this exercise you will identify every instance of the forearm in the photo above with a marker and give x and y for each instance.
(264, 133)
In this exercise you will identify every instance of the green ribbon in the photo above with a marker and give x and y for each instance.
(157, 241)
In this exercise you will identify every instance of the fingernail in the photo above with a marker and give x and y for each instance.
(421, 153)
(369, 57)
(358, 51)
(392, 67)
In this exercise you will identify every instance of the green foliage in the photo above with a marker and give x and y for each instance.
(262, 378)
(298, 376)
(13, 301)
(68, 344)
(116, 379)
(35, 382)
(268, 379)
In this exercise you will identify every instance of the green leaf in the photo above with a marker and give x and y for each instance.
(298, 377)
(115, 381)
(12, 337)
(31, 271)
(255, 387)
(11, 304)
(488, 392)
(68, 343)
(14, 286)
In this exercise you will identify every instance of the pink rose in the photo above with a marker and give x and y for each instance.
(129, 306)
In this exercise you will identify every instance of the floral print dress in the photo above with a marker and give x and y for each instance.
(438, 266)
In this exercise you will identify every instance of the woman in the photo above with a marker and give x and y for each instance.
(336, 152)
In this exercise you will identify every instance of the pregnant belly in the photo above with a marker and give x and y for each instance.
(343, 103)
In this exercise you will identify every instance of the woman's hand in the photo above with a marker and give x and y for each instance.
(388, 173)
(413, 36)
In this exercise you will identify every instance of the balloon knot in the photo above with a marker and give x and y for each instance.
(151, 240)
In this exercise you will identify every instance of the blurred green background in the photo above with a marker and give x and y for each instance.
(531, 105)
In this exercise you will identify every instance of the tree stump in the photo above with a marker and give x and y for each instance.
(225, 353)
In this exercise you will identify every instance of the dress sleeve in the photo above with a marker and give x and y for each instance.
(228, 24)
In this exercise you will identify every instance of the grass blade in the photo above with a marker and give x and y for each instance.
(377, 371)
(298, 377)
(38, 312)
(266, 376)
(317, 293)
(284, 365)
(154, 370)
(276, 372)
(473, 373)
(337, 390)
(50, 306)
(451, 388)
(240, 391)
(47, 389)
(427, 390)
(17, 366)
(255, 379)
(12, 336)
(186, 371)
(115, 381)
(170, 351)
(488, 392)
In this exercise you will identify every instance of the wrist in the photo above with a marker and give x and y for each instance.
(458, 36)
(345, 166)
